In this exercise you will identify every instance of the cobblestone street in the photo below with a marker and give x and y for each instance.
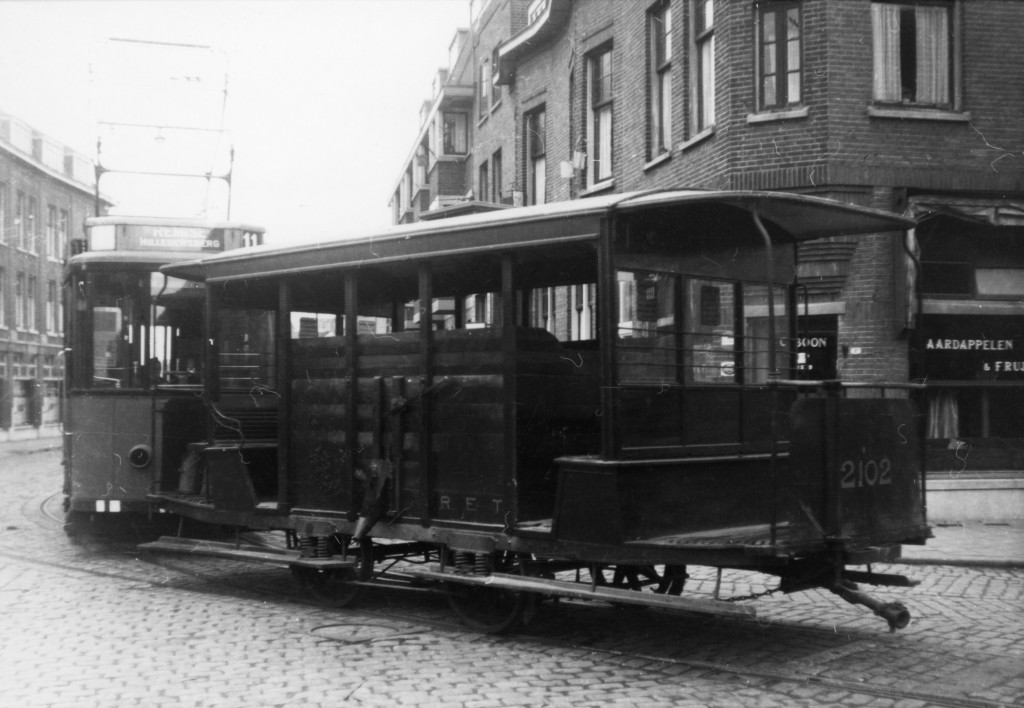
(103, 625)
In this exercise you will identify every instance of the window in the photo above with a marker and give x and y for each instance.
(20, 306)
(20, 220)
(51, 231)
(912, 51)
(483, 184)
(496, 186)
(30, 301)
(779, 34)
(648, 348)
(703, 61)
(3, 213)
(709, 336)
(485, 89)
(1000, 282)
(454, 134)
(3, 298)
(62, 234)
(52, 308)
(659, 22)
(535, 156)
(33, 219)
(599, 116)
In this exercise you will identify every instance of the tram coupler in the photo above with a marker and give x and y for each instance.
(895, 613)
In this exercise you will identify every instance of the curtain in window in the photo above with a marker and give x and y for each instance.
(932, 55)
(943, 415)
(885, 30)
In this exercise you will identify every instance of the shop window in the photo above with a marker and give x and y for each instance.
(1000, 282)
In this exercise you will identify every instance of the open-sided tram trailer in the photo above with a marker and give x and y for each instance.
(661, 427)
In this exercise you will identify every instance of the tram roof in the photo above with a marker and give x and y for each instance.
(788, 217)
(171, 221)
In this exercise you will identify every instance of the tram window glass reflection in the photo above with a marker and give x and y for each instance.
(246, 349)
(175, 340)
(757, 343)
(119, 322)
(648, 335)
(709, 332)
(306, 325)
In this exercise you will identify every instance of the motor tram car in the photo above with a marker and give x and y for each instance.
(133, 362)
(579, 399)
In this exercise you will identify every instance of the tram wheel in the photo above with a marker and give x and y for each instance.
(334, 587)
(487, 610)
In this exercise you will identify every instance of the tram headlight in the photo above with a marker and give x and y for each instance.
(140, 456)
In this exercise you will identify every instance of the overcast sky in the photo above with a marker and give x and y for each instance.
(323, 96)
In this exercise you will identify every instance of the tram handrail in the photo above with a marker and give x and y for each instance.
(838, 384)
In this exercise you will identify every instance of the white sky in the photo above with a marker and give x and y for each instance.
(323, 98)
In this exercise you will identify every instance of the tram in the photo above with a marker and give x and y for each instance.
(579, 399)
(133, 362)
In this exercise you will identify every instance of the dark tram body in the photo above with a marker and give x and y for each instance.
(579, 399)
(133, 362)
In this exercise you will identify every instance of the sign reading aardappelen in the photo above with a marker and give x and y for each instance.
(973, 348)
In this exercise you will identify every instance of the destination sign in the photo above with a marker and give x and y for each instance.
(147, 237)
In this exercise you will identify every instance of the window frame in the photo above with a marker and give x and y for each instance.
(702, 112)
(457, 139)
(600, 116)
(536, 155)
(659, 80)
(778, 11)
(496, 182)
(952, 81)
(483, 182)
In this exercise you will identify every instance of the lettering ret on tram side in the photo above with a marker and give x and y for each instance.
(485, 507)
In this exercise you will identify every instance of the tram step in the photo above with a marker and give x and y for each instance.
(582, 591)
(243, 552)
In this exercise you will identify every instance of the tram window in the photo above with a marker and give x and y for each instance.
(756, 339)
(478, 310)
(648, 347)
(709, 336)
(174, 346)
(246, 349)
(567, 311)
(313, 324)
(442, 313)
(119, 324)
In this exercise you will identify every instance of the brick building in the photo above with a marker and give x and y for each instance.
(912, 107)
(46, 192)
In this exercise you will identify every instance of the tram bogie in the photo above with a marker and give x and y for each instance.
(601, 389)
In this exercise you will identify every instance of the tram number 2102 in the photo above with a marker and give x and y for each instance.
(865, 473)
